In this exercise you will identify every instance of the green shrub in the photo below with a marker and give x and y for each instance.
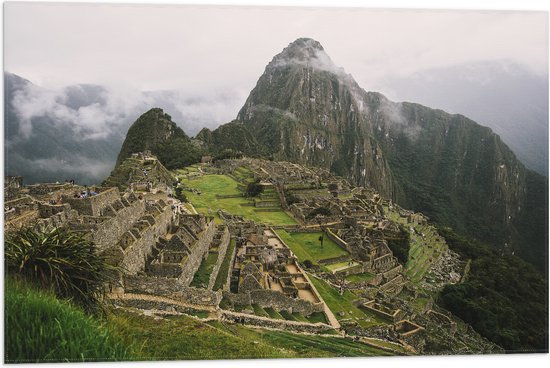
(63, 261)
(323, 211)
(253, 189)
(180, 195)
(400, 244)
(40, 328)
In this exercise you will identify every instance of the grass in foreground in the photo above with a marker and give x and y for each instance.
(41, 328)
(185, 338)
(302, 346)
(307, 246)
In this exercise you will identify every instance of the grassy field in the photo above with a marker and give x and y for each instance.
(208, 203)
(344, 304)
(359, 277)
(182, 337)
(41, 328)
(202, 276)
(307, 246)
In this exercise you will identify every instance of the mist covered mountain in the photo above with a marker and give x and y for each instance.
(504, 96)
(76, 132)
(51, 136)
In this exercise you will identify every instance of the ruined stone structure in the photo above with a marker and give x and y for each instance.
(367, 247)
(161, 248)
(180, 257)
(12, 187)
(265, 272)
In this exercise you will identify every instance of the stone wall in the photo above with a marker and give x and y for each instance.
(198, 250)
(276, 300)
(227, 283)
(93, 205)
(46, 188)
(22, 220)
(158, 304)
(170, 288)
(335, 238)
(12, 187)
(110, 231)
(135, 255)
(250, 319)
(222, 249)
(382, 311)
(338, 259)
(411, 334)
(261, 204)
(58, 219)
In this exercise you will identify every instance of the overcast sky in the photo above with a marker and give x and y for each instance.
(204, 47)
(222, 50)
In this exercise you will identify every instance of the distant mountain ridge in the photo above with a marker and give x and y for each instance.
(76, 132)
(507, 97)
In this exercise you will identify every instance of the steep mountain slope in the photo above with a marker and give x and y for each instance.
(232, 136)
(463, 176)
(507, 97)
(156, 132)
(305, 109)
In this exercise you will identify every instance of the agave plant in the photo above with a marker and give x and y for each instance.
(63, 261)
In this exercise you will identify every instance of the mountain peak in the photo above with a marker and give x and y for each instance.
(306, 44)
(305, 52)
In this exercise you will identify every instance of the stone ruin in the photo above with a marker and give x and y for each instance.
(266, 272)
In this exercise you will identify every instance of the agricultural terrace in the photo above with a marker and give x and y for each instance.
(343, 305)
(306, 246)
(425, 248)
(211, 187)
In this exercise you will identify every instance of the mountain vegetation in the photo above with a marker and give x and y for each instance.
(503, 298)
(156, 132)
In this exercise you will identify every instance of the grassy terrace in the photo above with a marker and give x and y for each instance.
(224, 269)
(359, 277)
(203, 273)
(244, 174)
(208, 203)
(423, 251)
(297, 345)
(344, 304)
(307, 246)
(340, 265)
